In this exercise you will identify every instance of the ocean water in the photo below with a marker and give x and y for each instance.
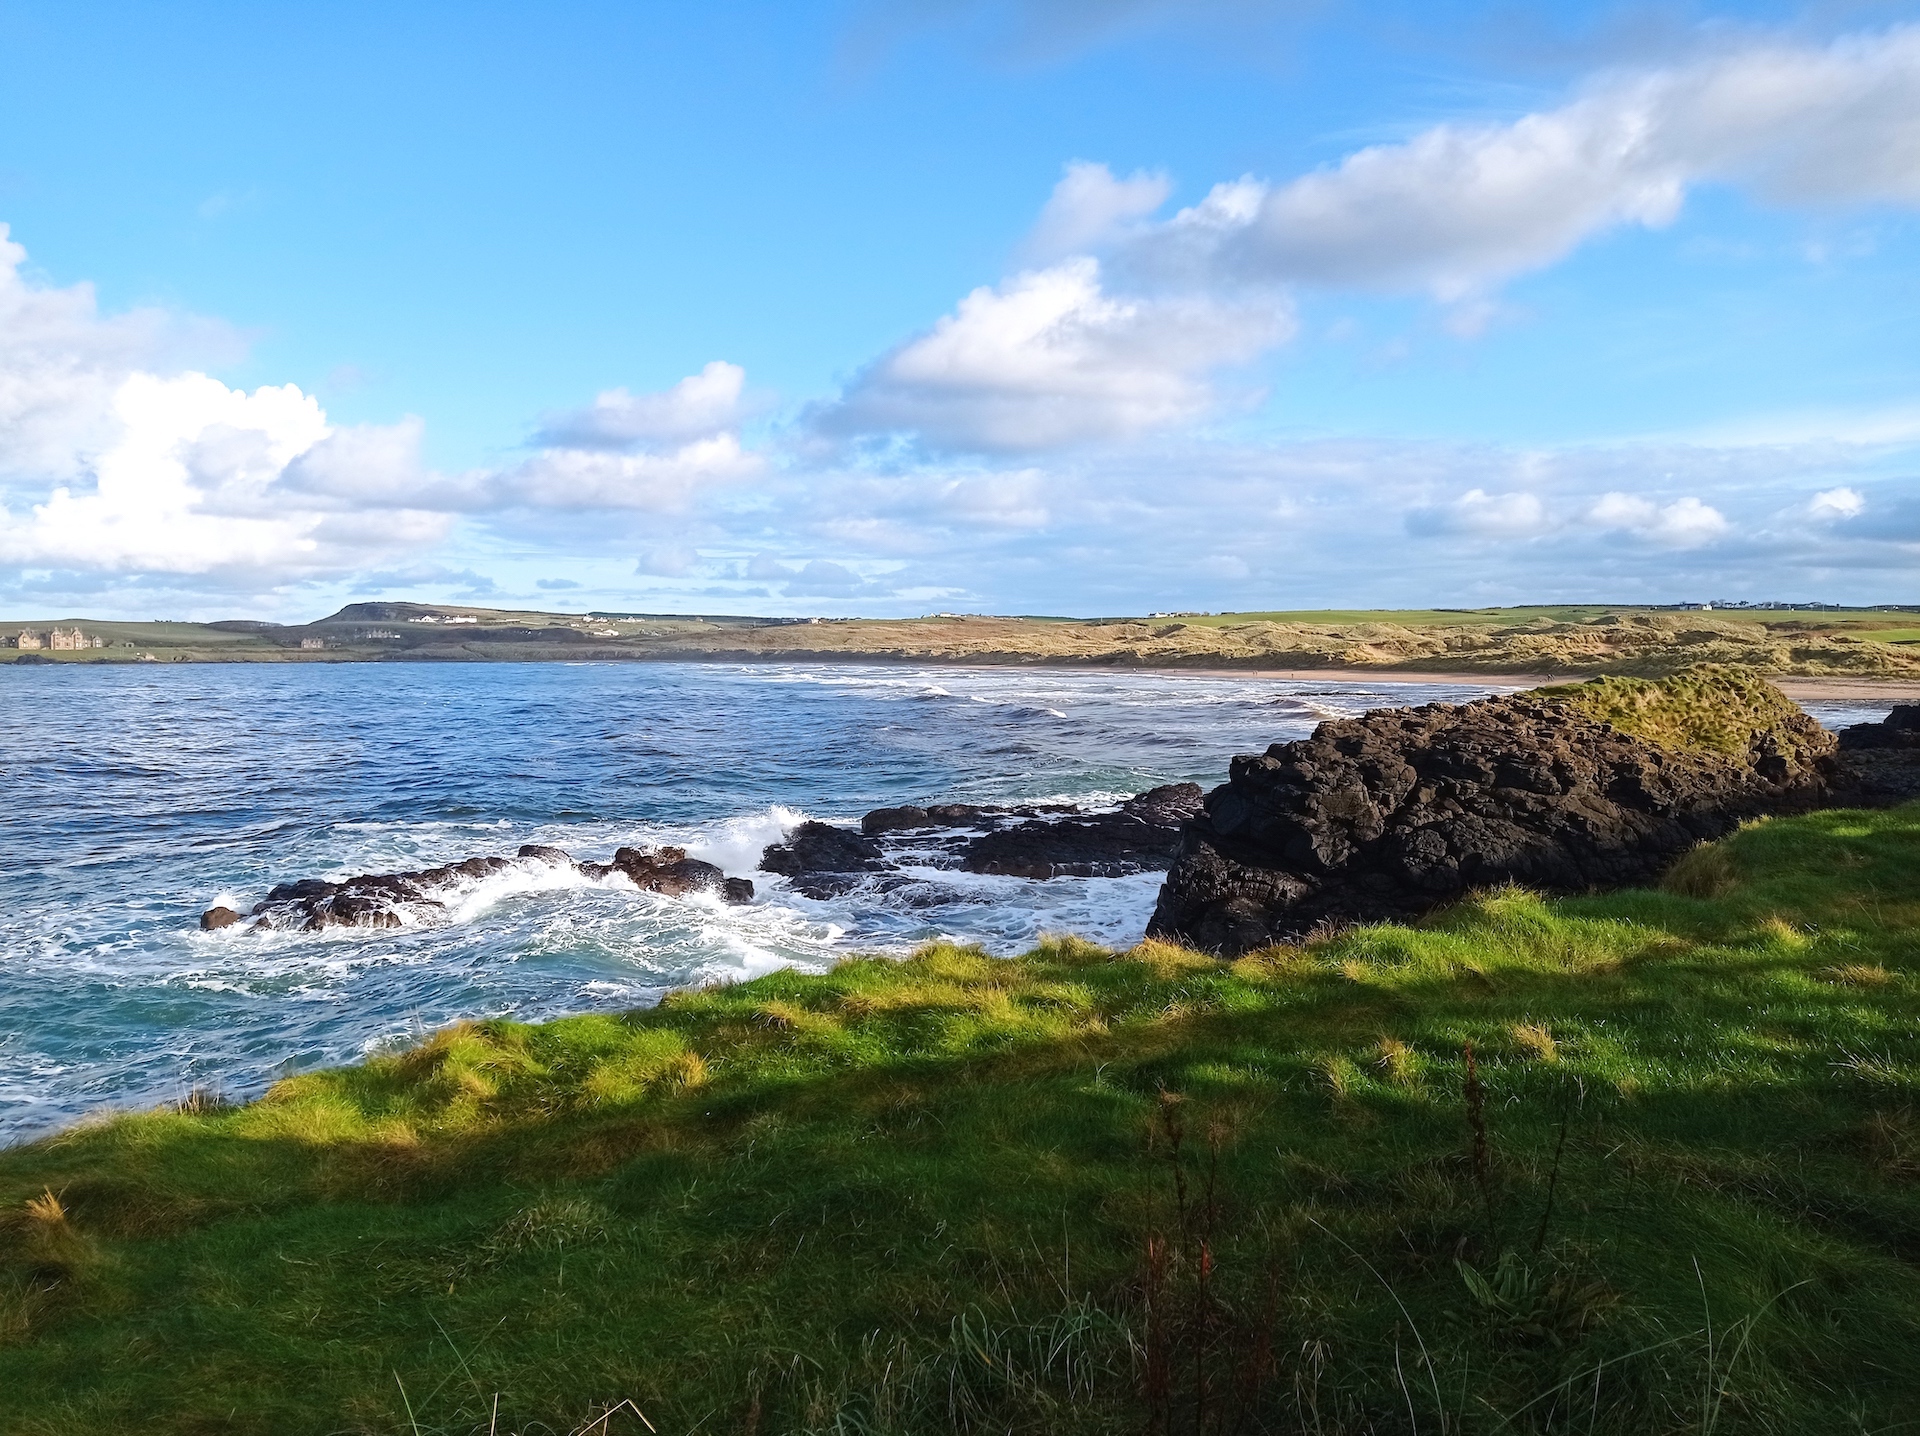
(134, 798)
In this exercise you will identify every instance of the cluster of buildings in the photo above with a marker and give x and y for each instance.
(1792, 607)
(60, 640)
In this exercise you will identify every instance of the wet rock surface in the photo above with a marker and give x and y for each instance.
(395, 900)
(1391, 814)
(1142, 836)
(1880, 762)
(1039, 841)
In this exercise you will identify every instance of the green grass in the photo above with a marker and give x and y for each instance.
(1711, 707)
(1075, 1191)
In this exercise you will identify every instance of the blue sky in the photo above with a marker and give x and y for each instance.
(1071, 306)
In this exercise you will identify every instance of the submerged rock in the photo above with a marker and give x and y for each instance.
(1391, 814)
(388, 900)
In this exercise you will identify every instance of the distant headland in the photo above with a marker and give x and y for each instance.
(1878, 646)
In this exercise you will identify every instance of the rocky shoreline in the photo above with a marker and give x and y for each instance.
(397, 900)
(1381, 817)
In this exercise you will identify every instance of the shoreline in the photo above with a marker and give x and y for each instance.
(1796, 687)
(1834, 688)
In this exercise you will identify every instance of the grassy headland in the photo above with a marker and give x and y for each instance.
(1558, 639)
(1675, 1188)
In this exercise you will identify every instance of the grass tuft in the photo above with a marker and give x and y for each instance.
(1716, 708)
(1706, 872)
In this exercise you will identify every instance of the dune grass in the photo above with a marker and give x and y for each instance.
(1712, 707)
(1640, 1163)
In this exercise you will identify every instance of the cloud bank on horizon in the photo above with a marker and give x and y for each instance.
(1088, 432)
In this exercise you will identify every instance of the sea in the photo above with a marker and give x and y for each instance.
(133, 798)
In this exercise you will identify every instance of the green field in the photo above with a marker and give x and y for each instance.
(1076, 1191)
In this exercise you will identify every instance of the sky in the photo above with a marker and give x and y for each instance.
(892, 307)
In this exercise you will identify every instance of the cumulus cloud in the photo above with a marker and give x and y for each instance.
(1460, 207)
(191, 482)
(667, 561)
(61, 362)
(112, 463)
(699, 406)
(1089, 208)
(1684, 523)
(1835, 504)
(1479, 514)
(649, 452)
(1050, 359)
(597, 479)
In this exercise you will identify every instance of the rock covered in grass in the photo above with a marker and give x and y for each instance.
(1563, 789)
(391, 900)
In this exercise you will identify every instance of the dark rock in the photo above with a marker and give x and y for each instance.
(1168, 806)
(382, 900)
(671, 873)
(1141, 837)
(215, 918)
(1392, 814)
(893, 820)
(1880, 762)
(815, 847)
(952, 815)
(1899, 729)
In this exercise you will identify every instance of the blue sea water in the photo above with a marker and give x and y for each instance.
(132, 798)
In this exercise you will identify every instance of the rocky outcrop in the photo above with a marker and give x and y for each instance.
(1142, 836)
(1899, 729)
(952, 815)
(1391, 814)
(1880, 762)
(1037, 841)
(815, 847)
(395, 900)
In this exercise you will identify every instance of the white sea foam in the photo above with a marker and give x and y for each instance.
(735, 845)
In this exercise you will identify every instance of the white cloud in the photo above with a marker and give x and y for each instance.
(1479, 514)
(112, 464)
(598, 479)
(667, 561)
(1684, 523)
(1835, 504)
(1049, 359)
(1089, 207)
(822, 578)
(1460, 207)
(191, 483)
(61, 363)
(699, 406)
